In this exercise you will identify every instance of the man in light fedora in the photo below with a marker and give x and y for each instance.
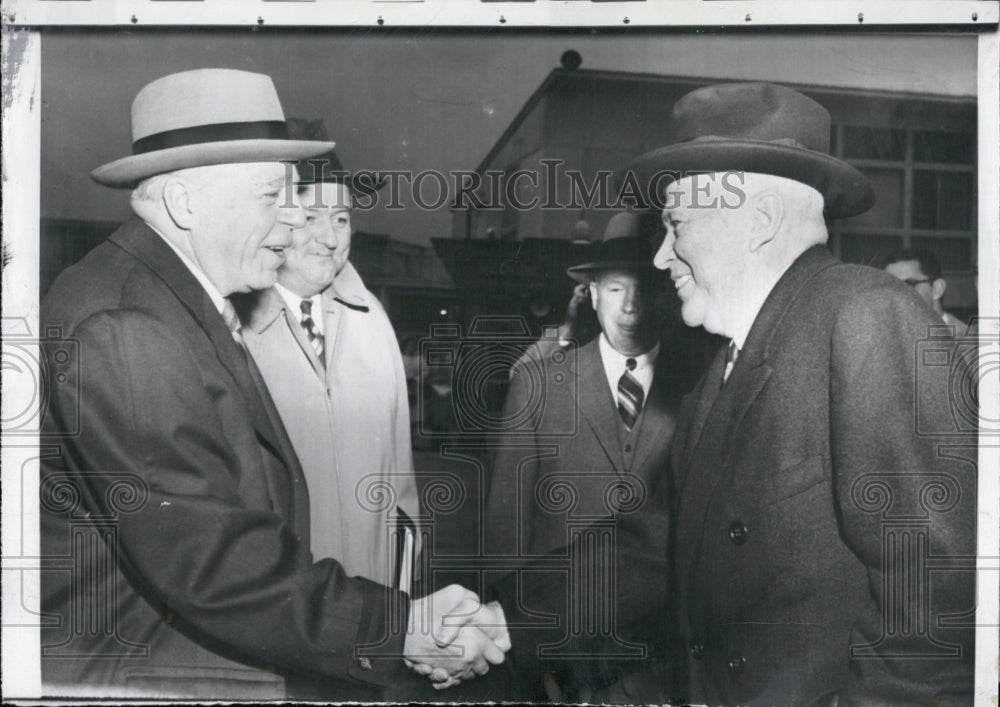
(817, 472)
(175, 515)
(623, 400)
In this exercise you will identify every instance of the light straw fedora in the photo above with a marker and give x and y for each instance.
(205, 117)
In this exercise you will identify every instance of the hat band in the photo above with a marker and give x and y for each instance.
(785, 141)
(216, 132)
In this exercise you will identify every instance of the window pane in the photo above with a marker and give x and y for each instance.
(938, 146)
(942, 200)
(868, 250)
(953, 253)
(888, 209)
(874, 143)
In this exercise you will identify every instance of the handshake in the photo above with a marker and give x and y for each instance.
(452, 636)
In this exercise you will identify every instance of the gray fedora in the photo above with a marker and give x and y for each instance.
(755, 127)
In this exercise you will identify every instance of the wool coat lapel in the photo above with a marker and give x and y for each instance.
(717, 417)
(149, 248)
(597, 405)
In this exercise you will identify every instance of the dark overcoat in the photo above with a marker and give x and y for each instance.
(175, 518)
(825, 504)
(572, 466)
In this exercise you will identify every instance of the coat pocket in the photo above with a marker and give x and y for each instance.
(790, 481)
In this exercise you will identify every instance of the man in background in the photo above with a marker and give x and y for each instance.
(331, 360)
(920, 269)
(620, 396)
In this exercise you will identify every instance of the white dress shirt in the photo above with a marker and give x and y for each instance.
(614, 366)
(295, 305)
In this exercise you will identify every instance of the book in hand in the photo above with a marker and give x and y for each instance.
(405, 536)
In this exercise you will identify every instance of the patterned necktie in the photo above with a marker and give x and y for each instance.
(732, 353)
(312, 333)
(630, 395)
(233, 322)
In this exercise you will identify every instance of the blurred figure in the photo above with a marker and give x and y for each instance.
(919, 268)
(577, 328)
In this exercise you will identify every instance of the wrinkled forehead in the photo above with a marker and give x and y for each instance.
(238, 175)
(699, 192)
(621, 276)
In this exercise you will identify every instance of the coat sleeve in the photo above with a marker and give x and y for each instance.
(514, 467)
(230, 573)
(905, 483)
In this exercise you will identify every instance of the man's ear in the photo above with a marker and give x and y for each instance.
(766, 214)
(593, 295)
(178, 203)
(937, 288)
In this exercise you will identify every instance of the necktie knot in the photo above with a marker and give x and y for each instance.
(312, 331)
(630, 364)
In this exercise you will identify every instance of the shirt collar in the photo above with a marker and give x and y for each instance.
(213, 292)
(294, 304)
(615, 361)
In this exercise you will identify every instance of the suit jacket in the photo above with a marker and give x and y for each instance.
(577, 467)
(809, 505)
(175, 520)
(348, 417)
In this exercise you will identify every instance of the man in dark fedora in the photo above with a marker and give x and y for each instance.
(623, 400)
(175, 516)
(817, 472)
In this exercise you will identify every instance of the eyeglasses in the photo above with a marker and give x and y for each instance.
(914, 283)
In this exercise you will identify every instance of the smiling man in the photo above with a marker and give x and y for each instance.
(803, 518)
(175, 521)
(331, 360)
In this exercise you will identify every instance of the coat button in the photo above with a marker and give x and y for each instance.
(737, 532)
(737, 664)
(628, 448)
(696, 649)
(365, 663)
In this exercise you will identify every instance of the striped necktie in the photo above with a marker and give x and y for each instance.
(732, 353)
(312, 333)
(630, 395)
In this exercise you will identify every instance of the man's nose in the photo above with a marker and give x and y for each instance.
(666, 252)
(631, 303)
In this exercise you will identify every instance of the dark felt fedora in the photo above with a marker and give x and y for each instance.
(205, 117)
(624, 246)
(754, 127)
(327, 168)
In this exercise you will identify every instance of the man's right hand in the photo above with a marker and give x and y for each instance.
(452, 636)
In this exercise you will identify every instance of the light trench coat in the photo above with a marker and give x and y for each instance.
(349, 423)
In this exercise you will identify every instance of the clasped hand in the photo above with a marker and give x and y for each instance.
(452, 636)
